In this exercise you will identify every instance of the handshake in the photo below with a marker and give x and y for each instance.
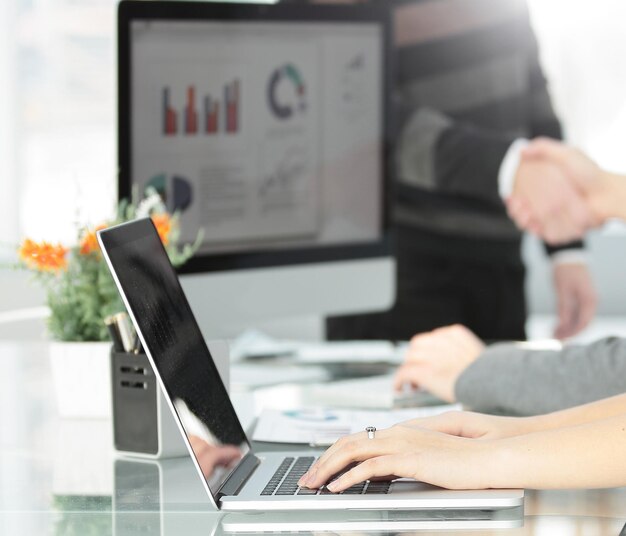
(559, 193)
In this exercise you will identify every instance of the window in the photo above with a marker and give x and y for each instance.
(8, 195)
(63, 105)
(582, 48)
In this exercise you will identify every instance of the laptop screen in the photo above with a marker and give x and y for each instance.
(173, 340)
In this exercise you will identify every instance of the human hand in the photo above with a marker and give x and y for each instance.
(210, 456)
(547, 202)
(604, 191)
(435, 360)
(401, 451)
(581, 170)
(576, 298)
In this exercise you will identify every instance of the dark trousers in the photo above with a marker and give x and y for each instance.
(434, 290)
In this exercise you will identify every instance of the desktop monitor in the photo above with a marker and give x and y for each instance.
(267, 127)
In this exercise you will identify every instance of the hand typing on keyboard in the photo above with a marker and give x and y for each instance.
(445, 455)
(285, 481)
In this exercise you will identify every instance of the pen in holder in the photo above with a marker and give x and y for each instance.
(143, 424)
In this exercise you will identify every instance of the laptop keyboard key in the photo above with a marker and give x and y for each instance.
(355, 490)
(378, 488)
(286, 491)
(285, 481)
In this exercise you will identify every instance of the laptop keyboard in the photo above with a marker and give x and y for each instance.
(285, 481)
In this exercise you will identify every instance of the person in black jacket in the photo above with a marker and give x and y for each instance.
(470, 91)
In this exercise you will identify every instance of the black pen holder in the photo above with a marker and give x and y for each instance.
(143, 424)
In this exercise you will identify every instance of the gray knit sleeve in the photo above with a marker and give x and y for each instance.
(508, 379)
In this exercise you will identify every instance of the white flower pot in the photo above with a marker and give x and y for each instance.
(81, 372)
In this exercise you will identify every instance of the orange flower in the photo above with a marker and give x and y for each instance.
(89, 242)
(163, 224)
(43, 256)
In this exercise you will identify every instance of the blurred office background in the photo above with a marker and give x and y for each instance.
(58, 128)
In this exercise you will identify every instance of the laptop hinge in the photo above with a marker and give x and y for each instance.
(239, 476)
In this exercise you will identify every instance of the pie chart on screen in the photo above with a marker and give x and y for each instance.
(295, 100)
(176, 191)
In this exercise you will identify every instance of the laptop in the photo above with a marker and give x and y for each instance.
(206, 418)
(150, 496)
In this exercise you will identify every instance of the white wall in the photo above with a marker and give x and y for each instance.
(583, 46)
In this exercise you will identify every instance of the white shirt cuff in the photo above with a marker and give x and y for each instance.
(569, 256)
(508, 168)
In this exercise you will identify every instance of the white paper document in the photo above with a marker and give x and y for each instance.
(256, 344)
(351, 352)
(322, 427)
(250, 376)
(373, 392)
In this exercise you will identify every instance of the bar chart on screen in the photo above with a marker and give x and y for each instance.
(201, 114)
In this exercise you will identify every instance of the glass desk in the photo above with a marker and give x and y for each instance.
(61, 477)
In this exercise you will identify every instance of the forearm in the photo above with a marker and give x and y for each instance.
(468, 160)
(511, 380)
(607, 196)
(591, 455)
(436, 153)
(587, 413)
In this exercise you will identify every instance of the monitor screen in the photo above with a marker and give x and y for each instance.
(268, 135)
